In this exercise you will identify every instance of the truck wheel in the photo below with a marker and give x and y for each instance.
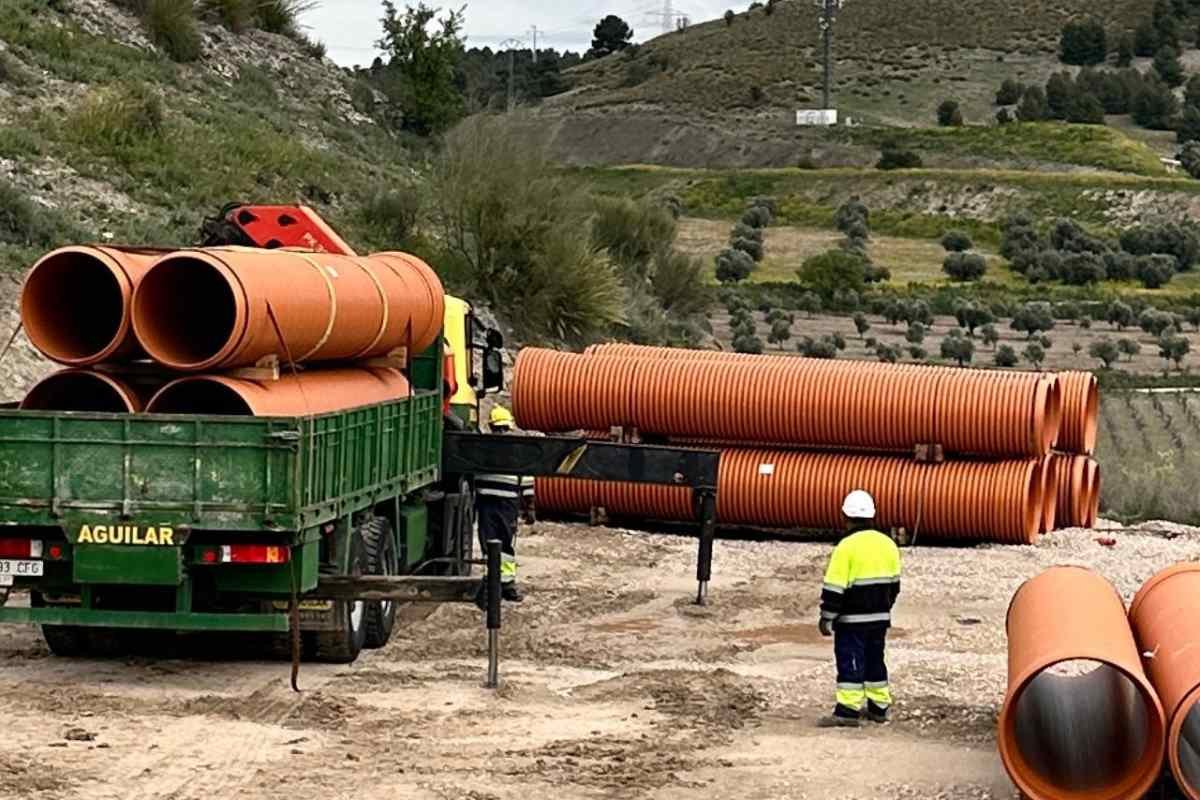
(380, 544)
(452, 530)
(343, 644)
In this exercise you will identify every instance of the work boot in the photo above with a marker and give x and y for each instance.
(511, 593)
(842, 717)
(876, 713)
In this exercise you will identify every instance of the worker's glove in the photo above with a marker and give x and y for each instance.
(826, 626)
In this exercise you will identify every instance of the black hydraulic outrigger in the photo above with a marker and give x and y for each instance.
(466, 454)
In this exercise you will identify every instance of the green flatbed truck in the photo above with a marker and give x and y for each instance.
(127, 527)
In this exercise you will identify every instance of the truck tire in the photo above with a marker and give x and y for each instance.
(452, 530)
(64, 641)
(380, 544)
(343, 644)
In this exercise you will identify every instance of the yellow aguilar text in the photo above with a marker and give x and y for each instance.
(126, 534)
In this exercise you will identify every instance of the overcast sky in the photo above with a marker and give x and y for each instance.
(350, 28)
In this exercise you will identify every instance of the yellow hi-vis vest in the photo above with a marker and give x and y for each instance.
(862, 580)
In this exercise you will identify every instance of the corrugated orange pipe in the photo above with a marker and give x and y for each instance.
(1049, 494)
(998, 501)
(1080, 721)
(1081, 409)
(75, 304)
(87, 390)
(1165, 615)
(796, 401)
(305, 394)
(200, 310)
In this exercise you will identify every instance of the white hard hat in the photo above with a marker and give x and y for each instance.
(859, 505)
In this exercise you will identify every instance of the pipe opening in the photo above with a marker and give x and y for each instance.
(72, 306)
(76, 391)
(1082, 725)
(186, 312)
(200, 397)
(1187, 750)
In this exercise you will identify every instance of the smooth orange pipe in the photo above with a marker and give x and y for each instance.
(87, 390)
(1165, 615)
(991, 501)
(1081, 412)
(1080, 720)
(791, 401)
(305, 394)
(75, 303)
(218, 308)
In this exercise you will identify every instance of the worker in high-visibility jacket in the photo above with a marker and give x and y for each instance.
(498, 502)
(861, 585)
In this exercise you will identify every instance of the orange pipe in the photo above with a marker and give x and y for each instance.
(86, 390)
(791, 401)
(212, 309)
(1049, 495)
(75, 304)
(1080, 720)
(997, 501)
(305, 394)
(1165, 615)
(1081, 410)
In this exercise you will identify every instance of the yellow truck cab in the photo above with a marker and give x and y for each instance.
(459, 331)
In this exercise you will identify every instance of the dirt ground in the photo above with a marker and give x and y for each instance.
(615, 685)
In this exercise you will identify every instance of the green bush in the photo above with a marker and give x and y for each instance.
(949, 114)
(393, 215)
(1005, 356)
(283, 16)
(956, 241)
(1105, 351)
(1168, 67)
(1009, 93)
(632, 232)
(734, 266)
(833, 271)
(27, 225)
(893, 155)
(964, 266)
(958, 347)
(172, 26)
(1154, 105)
(1033, 107)
(236, 15)
(748, 344)
(1083, 42)
(121, 116)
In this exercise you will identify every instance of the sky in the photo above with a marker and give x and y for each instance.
(349, 28)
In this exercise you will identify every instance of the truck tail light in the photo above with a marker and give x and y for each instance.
(246, 554)
(20, 548)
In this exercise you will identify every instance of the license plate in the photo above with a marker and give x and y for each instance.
(10, 568)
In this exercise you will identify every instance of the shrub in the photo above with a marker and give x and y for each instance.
(1105, 351)
(1153, 105)
(117, 117)
(1155, 271)
(1120, 315)
(1005, 356)
(809, 303)
(1145, 39)
(915, 333)
(893, 155)
(171, 25)
(1187, 127)
(631, 232)
(1033, 318)
(1155, 322)
(743, 231)
(1189, 157)
(757, 217)
(729, 17)
(283, 16)
(236, 15)
(1082, 269)
(25, 224)
(751, 247)
(917, 353)
(1174, 347)
(964, 266)
(1129, 348)
(819, 348)
(1112, 89)
(1010, 92)
(734, 266)
(1060, 91)
(972, 315)
(748, 344)
(1032, 107)
(1083, 42)
(832, 271)
(955, 241)
(1035, 354)
(393, 215)
(846, 300)
(861, 324)
(989, 335)
(888, 354)
(1168, 67)
(1003, 117)
(763, 201)
(1085, 109)
(949, 115)
(918, 311)
(1164, 237)
(1125, 50)
(1119, 265)
(780, 332)
(959, 348)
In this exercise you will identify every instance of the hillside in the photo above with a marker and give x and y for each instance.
(725, 95)
(105, 138)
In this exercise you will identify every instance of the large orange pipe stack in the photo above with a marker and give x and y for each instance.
(792, 401)
(201, 310)
(1081, 410)
(1165, 616)
(1080, 719)
(301, 394)
(75, 304)
(1000, 501)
